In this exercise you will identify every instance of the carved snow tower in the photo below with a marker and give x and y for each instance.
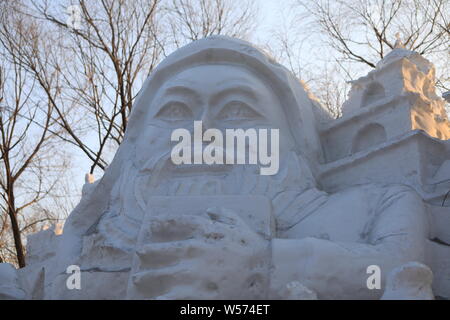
(395, 129)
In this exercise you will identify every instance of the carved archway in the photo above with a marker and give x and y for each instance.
(370, 135)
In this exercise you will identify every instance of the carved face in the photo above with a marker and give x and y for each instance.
(222, 97)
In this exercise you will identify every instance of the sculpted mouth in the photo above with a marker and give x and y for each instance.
(200, 168)
(165, 166)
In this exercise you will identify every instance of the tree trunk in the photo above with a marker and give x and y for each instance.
(16, 231)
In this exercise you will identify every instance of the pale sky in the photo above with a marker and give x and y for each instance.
(271, 13)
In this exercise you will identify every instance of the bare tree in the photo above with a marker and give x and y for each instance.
(30, 165)
(296, 51)
(191, 20)
(364, 31)
(18, 152)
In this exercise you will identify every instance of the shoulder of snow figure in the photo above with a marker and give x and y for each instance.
(390, 193)
(400, 217)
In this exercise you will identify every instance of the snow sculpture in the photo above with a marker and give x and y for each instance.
(149, 229)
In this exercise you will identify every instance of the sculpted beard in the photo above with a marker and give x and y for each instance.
(160, 177)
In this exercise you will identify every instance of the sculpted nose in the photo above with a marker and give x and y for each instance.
(207, 121)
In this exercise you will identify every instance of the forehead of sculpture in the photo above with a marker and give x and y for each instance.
(210, 76)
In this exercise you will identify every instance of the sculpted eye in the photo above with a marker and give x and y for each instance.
(237, 110)
(175, 110)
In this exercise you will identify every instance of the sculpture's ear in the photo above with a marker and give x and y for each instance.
(297, 172)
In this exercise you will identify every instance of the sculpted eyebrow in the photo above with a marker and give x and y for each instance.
(182, 90)
(244, 90)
